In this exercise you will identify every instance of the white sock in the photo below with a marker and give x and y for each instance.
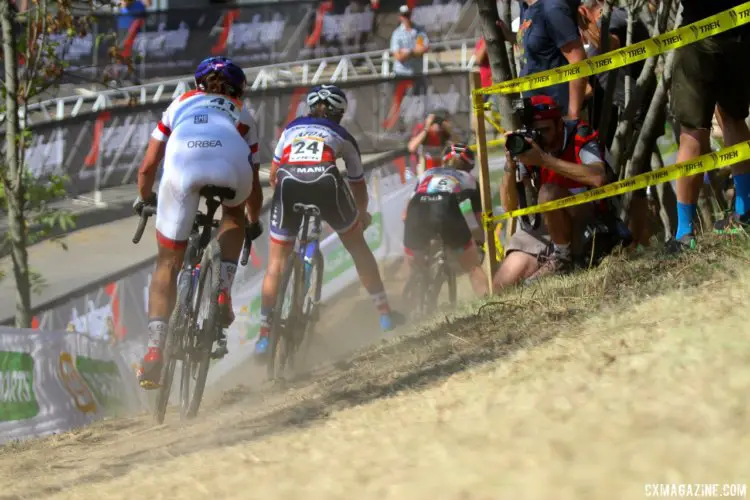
(226, 275)
(157, 329)
(562, 251)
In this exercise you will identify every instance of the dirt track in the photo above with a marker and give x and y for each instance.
(597, 393)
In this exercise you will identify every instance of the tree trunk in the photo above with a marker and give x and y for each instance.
(499, 61)
(13, 172)
(653, 126)
(508, 20)
(609, 91)
(623, 142)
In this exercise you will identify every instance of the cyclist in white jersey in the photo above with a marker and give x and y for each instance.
(434, 209)
(304, 171)
(205, 137)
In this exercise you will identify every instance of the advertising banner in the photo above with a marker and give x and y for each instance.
(54, 381)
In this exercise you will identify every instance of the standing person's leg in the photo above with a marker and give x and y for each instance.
(340, 211)
(695, 82)
(283, 230)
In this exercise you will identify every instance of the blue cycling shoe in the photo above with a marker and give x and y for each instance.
(391, 320)
(261, 346)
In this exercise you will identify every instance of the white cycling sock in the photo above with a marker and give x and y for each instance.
(157, 329)
(380, 300)
(226, 275)
(562, 251)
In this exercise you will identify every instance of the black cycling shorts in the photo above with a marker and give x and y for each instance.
(431, 215)
(320, 185)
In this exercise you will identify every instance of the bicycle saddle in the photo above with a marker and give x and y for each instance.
(308, 209)
(223, 193)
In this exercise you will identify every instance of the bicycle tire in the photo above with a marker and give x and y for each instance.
(169, 359)
(277, 337)
(311, 311)
(200, 356)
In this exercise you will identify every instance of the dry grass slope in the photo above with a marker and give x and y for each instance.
(582, 387)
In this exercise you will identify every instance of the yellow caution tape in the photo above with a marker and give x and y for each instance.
(722, 158)
(490, 144)
(629, 54)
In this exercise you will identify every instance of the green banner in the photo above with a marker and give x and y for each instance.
(103, 378)
(338, 260)
(17, 398)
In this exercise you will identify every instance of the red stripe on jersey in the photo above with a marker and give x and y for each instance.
(164, 129)
(254, 148)
(190, 93)
(243, 128)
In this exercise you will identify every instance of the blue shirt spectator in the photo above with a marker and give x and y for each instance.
(129, 11)
(408, 43)
(548, 38)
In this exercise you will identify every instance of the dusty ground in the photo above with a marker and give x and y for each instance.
(587, 387)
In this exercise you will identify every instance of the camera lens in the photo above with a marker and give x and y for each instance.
(516, 144)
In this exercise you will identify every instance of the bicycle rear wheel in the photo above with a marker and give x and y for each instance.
(170, 353)
(311, 302)
(285, 319)
(204, 320)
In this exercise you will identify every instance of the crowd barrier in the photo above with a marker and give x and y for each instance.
(52, 381)
(101, 150)
(172, 42)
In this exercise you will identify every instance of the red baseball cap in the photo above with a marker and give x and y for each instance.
(545, 108)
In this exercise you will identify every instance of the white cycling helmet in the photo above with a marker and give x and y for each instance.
(331, 95)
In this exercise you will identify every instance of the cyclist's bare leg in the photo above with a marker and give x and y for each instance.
(471, 263)
(230, 237)
(278, 254)
(367, 266)
(162, 294)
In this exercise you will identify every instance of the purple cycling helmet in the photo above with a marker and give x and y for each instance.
(231, 73)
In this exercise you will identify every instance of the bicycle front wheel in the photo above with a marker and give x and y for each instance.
(285, 316)
(205, 325)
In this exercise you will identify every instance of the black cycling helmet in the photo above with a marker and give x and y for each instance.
(459, 156)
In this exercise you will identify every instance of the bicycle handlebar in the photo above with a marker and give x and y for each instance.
(147, 212)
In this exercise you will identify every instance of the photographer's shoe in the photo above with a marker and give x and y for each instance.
(675, 246)
(555, 265)
(733, 224)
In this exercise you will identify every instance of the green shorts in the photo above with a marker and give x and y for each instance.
(710, 72)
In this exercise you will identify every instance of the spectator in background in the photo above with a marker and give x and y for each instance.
(548, 38)
(430, 138)
(590, 22)
(710, 75)
(130, 10)
(408, 43)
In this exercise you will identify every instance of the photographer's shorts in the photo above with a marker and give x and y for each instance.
(430, 215)
(710, 72)
(537, 242)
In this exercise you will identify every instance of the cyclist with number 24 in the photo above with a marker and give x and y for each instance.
(434, 209)
(304, 171)
(205, 137)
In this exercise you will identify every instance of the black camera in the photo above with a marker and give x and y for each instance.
(515, 142)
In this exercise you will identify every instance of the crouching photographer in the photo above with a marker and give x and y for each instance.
(549, 159)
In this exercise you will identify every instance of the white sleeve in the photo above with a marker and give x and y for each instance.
(354, 170)
(164, 128)
(279, 151)
(249, 131)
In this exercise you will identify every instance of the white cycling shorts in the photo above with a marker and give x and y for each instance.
(195, 159)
